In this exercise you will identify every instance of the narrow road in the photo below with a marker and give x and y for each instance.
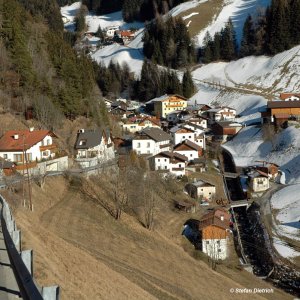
(8, 285)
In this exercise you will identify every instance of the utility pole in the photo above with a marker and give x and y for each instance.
(25, 165)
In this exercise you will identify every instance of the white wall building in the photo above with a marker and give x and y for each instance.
(37, 144)
(93, 147)
(201, 189)
(259, 181)
(189, 149)
(172, 162)
(151, 141)
(221, 114)
(179, 134)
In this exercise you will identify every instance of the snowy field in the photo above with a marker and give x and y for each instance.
(287, 201)
(249, 146)
(238, 11)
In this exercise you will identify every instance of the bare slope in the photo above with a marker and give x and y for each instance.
(91, 256)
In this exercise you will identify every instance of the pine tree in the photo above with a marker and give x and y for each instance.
(188, 87)
(228, 42)
(248, 40)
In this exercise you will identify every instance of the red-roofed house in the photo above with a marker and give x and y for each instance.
(37, 144)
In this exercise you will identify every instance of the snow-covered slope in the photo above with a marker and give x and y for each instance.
(278, 73)
(175, 11)
(237, 10)
(252, 144)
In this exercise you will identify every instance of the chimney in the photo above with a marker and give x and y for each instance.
(81, 131)
(16, 136)
(31, 129)
(222, 218)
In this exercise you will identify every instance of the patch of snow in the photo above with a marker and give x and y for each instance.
(114, 19)
(238, 11)
(283, 249)
(121, 54)
(190, 15)
(175, 11)
(249, 146)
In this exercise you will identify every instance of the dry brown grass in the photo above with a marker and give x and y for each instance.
(79, 246)
(206, 12)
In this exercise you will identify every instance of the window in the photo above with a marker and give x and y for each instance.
(191, 155)
(166, 167)
(48, 142)
(148, 144)
(179, 165)
(165, 159)
(158, 159)
(29, 156)
(219, 250)
(17, 157)
(5, 156)
(138, 145)
(82, 142)
(190, 136)
(218, 243)
(201, 190)
(207, 242)
(45, 153)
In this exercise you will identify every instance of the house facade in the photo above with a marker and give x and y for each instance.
(259, 181)
(93, 146)
(136, 125)
(27, 146)
(214, 230)
(221, 114)
(151, 141)
(189, 149)
(201, 190)
(180, 134)
(167, 161)
(167, 104)
(225, 129)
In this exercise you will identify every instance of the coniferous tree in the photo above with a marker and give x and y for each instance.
(228, 42)
(188, 87)
(248, 40)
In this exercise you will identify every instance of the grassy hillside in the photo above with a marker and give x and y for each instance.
(79, 246)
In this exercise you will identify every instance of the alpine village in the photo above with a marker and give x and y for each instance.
(149, 149)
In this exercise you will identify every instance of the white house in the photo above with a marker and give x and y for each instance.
(181, 133)
(137, 124)
(36, 144)
(221, 114)
(93, 146)
(151, 141)
(201, 189)
(258, 181)
(172, 162)
(189, 149)
(198, 121)
(214, 228)
(110, 30)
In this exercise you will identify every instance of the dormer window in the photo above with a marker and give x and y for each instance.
(82, 142)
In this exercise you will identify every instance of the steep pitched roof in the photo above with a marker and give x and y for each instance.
(156, 134)
(90, 138)
(172, 155)
(215, 218)
(187, 144)
(26, 139)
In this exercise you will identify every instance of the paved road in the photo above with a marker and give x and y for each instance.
(8, 286)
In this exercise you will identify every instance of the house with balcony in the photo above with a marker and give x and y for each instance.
(171, 162)
(201, 190)
(93, 147)
(167, 104)
(151, 141)
(223, 113)
(27, 147)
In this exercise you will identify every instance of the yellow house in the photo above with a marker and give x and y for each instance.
(167, 104)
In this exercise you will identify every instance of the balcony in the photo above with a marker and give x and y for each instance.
(48, 147)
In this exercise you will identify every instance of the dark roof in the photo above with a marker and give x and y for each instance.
(91, 138)
(156, 134)
(172, 155)
(214, 218)
(190, 144)
(227, 124)
(283, 104)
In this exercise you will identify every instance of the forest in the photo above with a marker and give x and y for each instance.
(267, 33)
